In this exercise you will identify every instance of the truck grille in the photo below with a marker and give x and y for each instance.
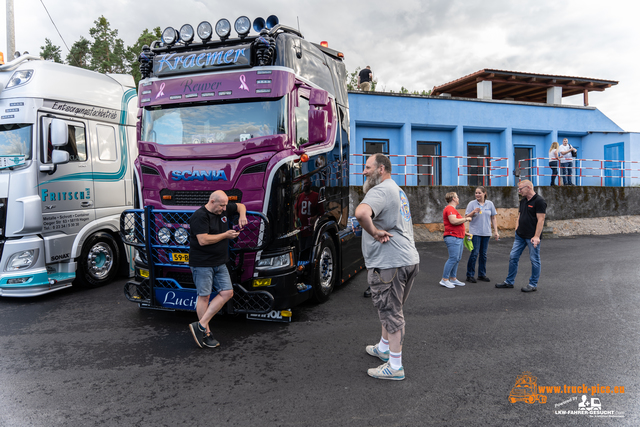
(195, 198)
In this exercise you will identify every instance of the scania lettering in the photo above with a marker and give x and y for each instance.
(66, 174)
(264, 118)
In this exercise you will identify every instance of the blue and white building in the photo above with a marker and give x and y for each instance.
(479, 127)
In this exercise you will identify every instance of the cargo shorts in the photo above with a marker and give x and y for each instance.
(389, 291)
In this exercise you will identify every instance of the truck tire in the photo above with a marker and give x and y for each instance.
(99, 260)
(325, 274)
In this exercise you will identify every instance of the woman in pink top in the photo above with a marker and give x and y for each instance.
(454, 232)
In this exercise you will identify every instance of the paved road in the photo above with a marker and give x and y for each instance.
(89, 357)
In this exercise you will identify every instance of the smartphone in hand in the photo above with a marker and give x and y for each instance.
(237, 228)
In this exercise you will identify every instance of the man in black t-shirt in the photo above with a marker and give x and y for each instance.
(208, 256)
(530, 222)
(365, 77)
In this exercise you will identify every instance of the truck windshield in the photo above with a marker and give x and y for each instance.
(15, 140)
(214, 123)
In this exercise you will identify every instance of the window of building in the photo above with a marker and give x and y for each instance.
(478, 170)
(373, 146)
(428, 167)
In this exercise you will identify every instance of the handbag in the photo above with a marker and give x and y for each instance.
(468, 243)
(573, 153)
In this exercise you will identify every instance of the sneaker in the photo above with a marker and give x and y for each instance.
(504, 285)
(484, 278)
(529, 288)
(457, 282)
(447, 284)
(386, 372)
(471, 279)
(198, 334)
(367, 293)
(210, 341)
(372, 350)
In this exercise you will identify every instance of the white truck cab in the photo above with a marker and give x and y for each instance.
(67, 146)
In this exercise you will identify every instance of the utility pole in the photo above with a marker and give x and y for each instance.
(11, 32)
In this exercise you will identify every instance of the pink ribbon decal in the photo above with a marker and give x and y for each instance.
(243, 84)
(161, 93)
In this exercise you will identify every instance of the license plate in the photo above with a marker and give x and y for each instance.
(144, 273)
(180, 257)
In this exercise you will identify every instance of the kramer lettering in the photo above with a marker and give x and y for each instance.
(173, 61)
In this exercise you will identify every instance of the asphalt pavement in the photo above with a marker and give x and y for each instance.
(91, 358)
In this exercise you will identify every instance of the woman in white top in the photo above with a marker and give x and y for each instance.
(483, 216)
(553, 162)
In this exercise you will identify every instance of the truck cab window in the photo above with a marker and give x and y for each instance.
(15, 140)
(214, 123)
(76, 145)
(302, 121)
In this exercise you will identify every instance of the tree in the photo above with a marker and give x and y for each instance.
(80, 53)
(107, 51)
(352, 81)
(133, 52)
(50, 52)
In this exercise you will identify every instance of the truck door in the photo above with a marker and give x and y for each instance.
(109, 168)
(66, 193)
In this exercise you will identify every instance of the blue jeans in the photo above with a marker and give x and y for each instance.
(534, 254)
(566, 169)
(206, 278)
(480, 246)
(455, 247)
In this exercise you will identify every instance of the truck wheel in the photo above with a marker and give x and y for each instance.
(325, 274)
(99, 260)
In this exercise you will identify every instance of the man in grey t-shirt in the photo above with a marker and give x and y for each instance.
(391, 259)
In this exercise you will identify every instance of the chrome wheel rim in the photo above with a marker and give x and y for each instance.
(100, 261)
(326, 269)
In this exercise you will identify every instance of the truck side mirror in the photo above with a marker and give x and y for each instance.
(318, 120)
(59, 133)
(59, 157)
(318, 98)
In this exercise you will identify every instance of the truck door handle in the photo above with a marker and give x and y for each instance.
(86, 204)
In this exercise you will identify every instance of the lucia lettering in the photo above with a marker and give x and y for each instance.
(170, 299)
(59, 196)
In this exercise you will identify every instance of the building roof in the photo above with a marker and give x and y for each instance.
(517, 86)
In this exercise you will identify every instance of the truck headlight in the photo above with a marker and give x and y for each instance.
(22, 260)
(275, 262)
(181, 235)
(164, 235)
(19, 78)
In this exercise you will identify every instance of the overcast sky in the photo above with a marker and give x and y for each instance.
(417, 44)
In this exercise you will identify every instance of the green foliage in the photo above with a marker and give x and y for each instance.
(352, 80)
(50, 52)
(107, 51)
(133, 52)
(80, 53)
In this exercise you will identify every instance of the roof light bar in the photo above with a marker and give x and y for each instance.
(223, 29)
(186, 33)
(242, 26)
(205, 31)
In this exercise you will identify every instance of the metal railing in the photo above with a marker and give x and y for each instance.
(595, 172)
(485, 169)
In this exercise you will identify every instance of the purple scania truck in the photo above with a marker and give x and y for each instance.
(265, 118)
